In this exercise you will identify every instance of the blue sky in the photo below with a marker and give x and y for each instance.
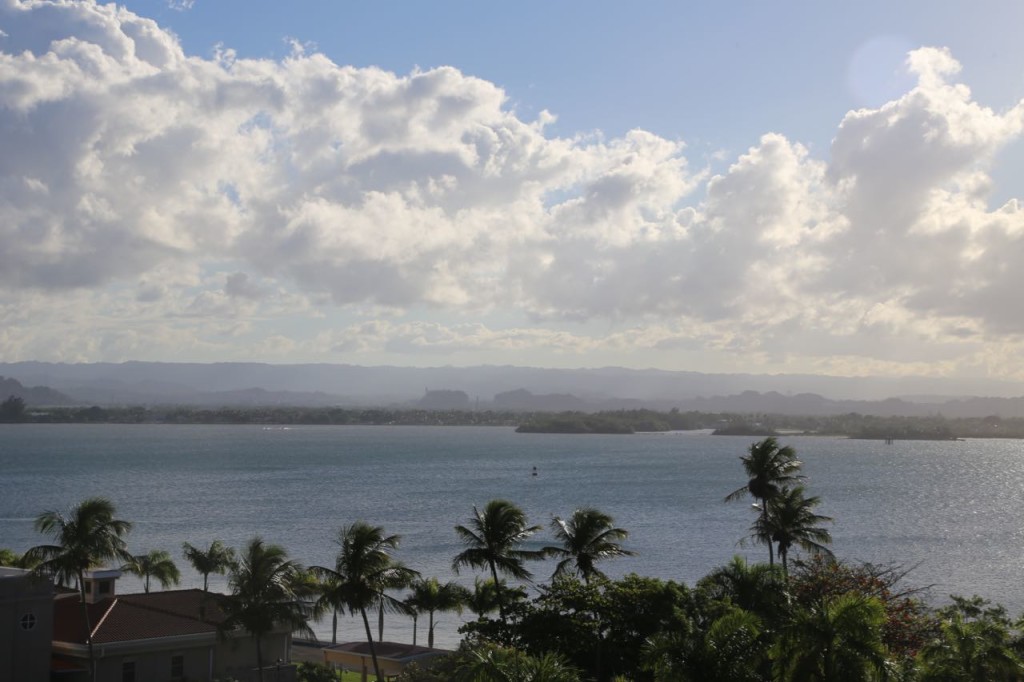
(736, 186)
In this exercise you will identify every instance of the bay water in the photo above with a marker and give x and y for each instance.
(952, 510)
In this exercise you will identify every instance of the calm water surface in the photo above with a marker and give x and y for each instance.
(953, 508)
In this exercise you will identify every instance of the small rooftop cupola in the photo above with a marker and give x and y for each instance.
(99, 584)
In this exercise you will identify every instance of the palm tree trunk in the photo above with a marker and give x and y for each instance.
(373, 649)
(415, 618)
(334, 627)
(206, 582)
(88, 626)
(147, 583)
(380, 621)
(430, 632)
(497, 591)
(259, 658)
(764, 516)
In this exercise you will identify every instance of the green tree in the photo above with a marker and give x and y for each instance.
(729, 648)
(790, 521)
(156, 564)
(214, 559)
(430, 596)
(363, 570)
(493, 539)
(757, 588)
(588, 536)
(483, 599)
(769, 469)
(909, 622)
(833, 639)
(974, 644)
(316, 672)
(12, 409)
(262, 595)
(85, 537)
(9, 557)
(332, 596)
(490, 663)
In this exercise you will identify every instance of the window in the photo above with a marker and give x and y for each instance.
(105, 586)
(28, 621)
(128, 671)
(177, 667)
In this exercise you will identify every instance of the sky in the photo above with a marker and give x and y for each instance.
(785, 187)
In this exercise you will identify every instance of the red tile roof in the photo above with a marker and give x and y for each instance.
(138, 616)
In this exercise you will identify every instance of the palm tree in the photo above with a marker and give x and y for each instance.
(834, 639)
(332, 596)
(214, 559)
(970, 650)
(431, 596)
(9, 557)
(85, 536)
(489, 663)
(363, 570)
(587, 537)
(262, 595)
(752, 587)
(483, 599)
(791, 521)
(156, 564)
(492, 541)
(730, 648)
(769, 469)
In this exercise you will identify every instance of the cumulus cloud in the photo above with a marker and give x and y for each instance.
(154, 187)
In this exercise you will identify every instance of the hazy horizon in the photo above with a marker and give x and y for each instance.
(819, 190)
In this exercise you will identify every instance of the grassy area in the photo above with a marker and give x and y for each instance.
(347, 676)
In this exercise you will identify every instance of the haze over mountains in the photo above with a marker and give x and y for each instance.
(505, 387)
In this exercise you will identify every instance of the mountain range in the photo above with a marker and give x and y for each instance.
(502, 387)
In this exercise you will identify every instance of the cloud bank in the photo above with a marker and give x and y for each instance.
(161, 205)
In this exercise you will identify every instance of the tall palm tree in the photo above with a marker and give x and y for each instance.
(363, 570)
(587, 537)
(430, 596)
(791, 520)
(214, 559)
(156, 564)
(492, 540)
(833, 639)
(262, 595)
(85, 536)
(769, 469)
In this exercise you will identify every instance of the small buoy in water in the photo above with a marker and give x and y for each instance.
(534, 471)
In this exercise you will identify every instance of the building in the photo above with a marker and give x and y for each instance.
(26, 626)
(165, 636)
(391, 656)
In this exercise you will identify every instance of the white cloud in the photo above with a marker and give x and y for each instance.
(132, 171)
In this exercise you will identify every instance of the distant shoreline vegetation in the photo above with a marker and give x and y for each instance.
(608, 422)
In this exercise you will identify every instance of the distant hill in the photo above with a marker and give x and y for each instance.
(34, 396)
(510, 388)
(522, 400)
